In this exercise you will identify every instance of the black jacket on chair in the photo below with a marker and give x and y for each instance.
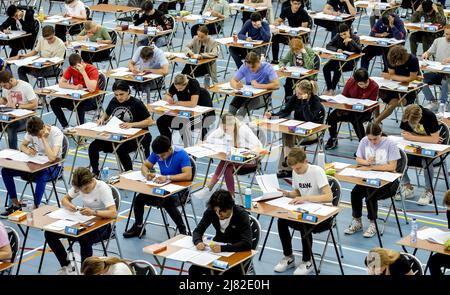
(238, 234)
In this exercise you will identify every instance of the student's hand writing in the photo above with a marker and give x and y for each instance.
(170, 100)
(296, 201)
(71, 207)
(126, 125)
(100, 121)
(446, 61)
(150, 176)
(340, 50)
(79, 86)
(215, 248)
(255, 84)
(87, 211)
(363, 168)
(386, 76)
(336, 13)
(267, 115)
(406, 135)
(284, 192)
(248, 39)
(200, 246)
(161, 179)
(425, 55)
(31, 152)
(239, 85)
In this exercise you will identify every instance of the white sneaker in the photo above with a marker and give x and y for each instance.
(66, 271)
(204, 193)
(407, 192)
(425, 199)
(354, 227)
(304, 268)
(371, 231)
(286, 263)
(433, 105)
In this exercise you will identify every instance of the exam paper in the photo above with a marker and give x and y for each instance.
(135, 175)
(339, 165)
(173, 187)
(59, 225)
(383, 175)
(269, 185)
(23, 61)
(19, 156)
(66, 91)
(65, 214)
(347, 100)
(19, 112)
(291, 123)
(199, 151)
(402, 143)
(113, 126)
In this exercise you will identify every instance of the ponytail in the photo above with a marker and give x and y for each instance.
(308, 86)
(98, 265)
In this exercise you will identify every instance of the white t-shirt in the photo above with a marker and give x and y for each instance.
(77, 10)
(119, 269)
(47, 50)
(21, 93)
(99, 199)
(225, 223)
(55, 138)
(310, 183)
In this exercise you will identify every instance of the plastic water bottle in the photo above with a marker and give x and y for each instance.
(29, 207)
(41, 14)
(321, 159)
(422, 22)
(41, 82)
(413, 234)
(144, 97)
(229, 147)
(248, 198)
(207, 81)
(263, 57)
(105, 174)
(441, 111)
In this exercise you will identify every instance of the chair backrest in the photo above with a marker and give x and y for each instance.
(142, 268)
(416, 265)
(402, 163)
(317, 61)
(116, 196)
(14, 241)
(194, 167)
(113, 35)
(135, 3)
(256, 231)
(88, 13)
(444, 133)
(335, 189)
(101, 81)
(65, 147)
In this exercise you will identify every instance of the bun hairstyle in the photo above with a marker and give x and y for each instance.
(412, 114)
(308, 86)
(374, 129)
(99, 265)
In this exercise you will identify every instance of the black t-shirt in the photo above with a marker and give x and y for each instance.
(428, 124)
(411, 66)
(339, 6)
(132, 110)
(193, 88)
(400, 267)
(294, 19)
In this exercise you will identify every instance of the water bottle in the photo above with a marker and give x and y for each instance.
(105, 174)
(422, 22)
(29, 207)
(206, 81)
(145, 28)
(144, 97)
(321, 159)
(229, 147)
(235, 38)
(41, 14)
(248, 198)
(441, 109)
(263, 57)
(41, 82)
(413, 234)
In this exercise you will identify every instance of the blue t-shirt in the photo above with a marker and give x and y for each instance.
(172, 165)
(264, 75)
(156, 62)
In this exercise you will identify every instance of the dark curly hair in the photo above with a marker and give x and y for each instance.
(222, 199)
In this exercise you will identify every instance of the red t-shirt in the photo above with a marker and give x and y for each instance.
(77, 77)
(352, 90)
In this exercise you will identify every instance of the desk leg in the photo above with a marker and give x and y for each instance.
(336, 250)
(224, 101)
(444, 172)
(234, 23)
(265, 239)
(131, 211)
(23, 248)
(430, 162)
(186, 218)
(396, 218)
(428, 263)
(173, 72)
(42, 256)
(207, 171)
(181, 269)
(119, 165)
(78, 142)
(308, 241)
(226, 68)
(166, 225)
(54, 184)
(315, 34)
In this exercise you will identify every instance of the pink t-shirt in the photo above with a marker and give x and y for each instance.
(4, 240)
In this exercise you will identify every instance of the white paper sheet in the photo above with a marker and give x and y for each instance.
(339, 165)
(183, 255)
(289, 29)
(19, 112)
(271, 121)
(269, 185)
(254, 90)
(387, 176)
(113, 126)
(297, 70)
(88, 126)
(19, 156)
(87, 43)
(23, 61)
(11, 34)
(425, 233)
(283, 202)
(386, 83)
(66, 91)
(310, 125)
(135, 175)
(173, 187)
(199, 151)
(291, 123)
(204, 258)
(65, 214)
(59, 225)
(347, 100)
(401, 143)
(185, 242)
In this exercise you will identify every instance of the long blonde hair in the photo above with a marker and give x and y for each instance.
(98, 265)
(380, 257)
(308, 86)
(412, 114)
(225, 120)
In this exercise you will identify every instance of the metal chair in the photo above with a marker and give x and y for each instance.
(111, 51)
(142, 268)
(14, 241)
(256, 237)
(416, 265)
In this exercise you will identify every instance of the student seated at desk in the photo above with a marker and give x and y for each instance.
(134, 114)
(105, 266)
(203, 46)
(48, 46)
(385, 262)
(239, 135)
(77, 11)
(307, 107)
(189, 94)
(18, 20)
(175, 165)
(5, 246)
(149, 59)
(98, 201)
(267, 14)
(79, 75)
(154, 18)
(233, 230)
(95, 33)
(432, 13)
(257, 74)
(16, 94)
(389, 26)
(39, 139)
(299, 55)
(439, 261)
(421, 125)
(217, 8)
(254, 29)
(344, 41)
(336, 8)
(310, 184)
(375, 152)
(440, 50)
(402, 67)
(359, 86)
(296, 17)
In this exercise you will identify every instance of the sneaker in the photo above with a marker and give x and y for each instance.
(202, 194)
(371, 231)
(407, 193)
(286, 263)
(134, 231)
(425, 199)
(331, 143)
(284, 173)
(432, 105)
(304, 268)
(66, 271)
(274, 62)
(354, 227)
(8, 211)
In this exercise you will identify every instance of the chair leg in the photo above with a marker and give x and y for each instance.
(339, 241)
(193, 210)
(118, 243)
(324, 252)
(145, 222)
